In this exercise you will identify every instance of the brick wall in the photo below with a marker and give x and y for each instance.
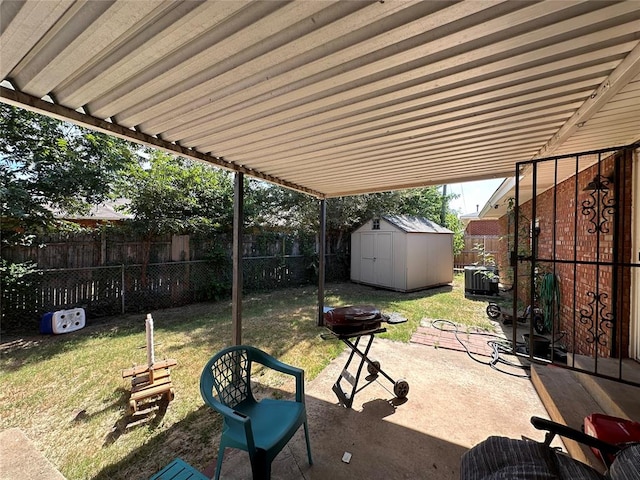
(592, 312)
(507, 224)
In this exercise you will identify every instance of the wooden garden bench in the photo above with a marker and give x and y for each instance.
(148, 382)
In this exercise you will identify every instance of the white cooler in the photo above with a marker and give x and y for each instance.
(63, 321)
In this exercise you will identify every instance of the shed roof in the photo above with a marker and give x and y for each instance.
(412, 224)
(331, 97)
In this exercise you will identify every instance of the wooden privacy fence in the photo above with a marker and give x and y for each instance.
(91, 249)
(132, 288)
(470, 254)
(101, 248)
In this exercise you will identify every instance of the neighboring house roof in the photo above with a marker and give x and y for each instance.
(103, 212)
(468, 217)
(411, 224)
(483, 227)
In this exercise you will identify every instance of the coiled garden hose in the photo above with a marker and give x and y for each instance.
(499, 346)
(550, 298)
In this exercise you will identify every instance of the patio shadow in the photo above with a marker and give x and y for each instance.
(453, 404)
(379, 448)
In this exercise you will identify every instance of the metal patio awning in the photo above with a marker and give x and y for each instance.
(335, 98)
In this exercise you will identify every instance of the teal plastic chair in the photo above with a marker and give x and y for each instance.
(262, 428)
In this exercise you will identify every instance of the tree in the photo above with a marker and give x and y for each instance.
(299, 212)
(47, 165)
(169, 194)
(454, 224)
(423, 202)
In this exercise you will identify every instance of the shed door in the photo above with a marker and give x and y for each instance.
(383, 261)
(376, 258)
(368, 254)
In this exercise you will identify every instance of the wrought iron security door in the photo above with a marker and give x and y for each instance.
(573, 261)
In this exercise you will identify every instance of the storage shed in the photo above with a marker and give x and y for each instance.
(402, 252)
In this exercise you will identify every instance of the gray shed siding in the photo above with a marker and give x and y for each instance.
(408, 257)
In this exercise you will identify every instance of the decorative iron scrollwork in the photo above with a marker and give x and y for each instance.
(597, 309)
(601, 205)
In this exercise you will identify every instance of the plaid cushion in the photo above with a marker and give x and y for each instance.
(626, 466)
(570, 468)
(501, 458)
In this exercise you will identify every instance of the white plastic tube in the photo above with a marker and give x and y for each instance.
(150, 353)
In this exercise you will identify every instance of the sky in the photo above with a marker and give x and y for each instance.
(472, 194)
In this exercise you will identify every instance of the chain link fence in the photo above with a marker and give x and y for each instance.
(113, 290)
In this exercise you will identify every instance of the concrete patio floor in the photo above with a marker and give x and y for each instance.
(453, 404)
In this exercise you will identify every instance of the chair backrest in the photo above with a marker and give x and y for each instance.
(229, 374)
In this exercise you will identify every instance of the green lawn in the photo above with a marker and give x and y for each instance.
(67, 394)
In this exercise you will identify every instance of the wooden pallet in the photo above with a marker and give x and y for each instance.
(148, 383)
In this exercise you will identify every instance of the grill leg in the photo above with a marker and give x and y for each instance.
(345, 398)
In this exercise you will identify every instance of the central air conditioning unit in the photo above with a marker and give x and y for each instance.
(481, 280)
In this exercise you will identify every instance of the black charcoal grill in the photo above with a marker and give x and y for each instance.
(350, 324)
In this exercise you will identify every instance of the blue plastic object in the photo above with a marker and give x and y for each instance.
(179, 470)
(260, 428)
(45, 323)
